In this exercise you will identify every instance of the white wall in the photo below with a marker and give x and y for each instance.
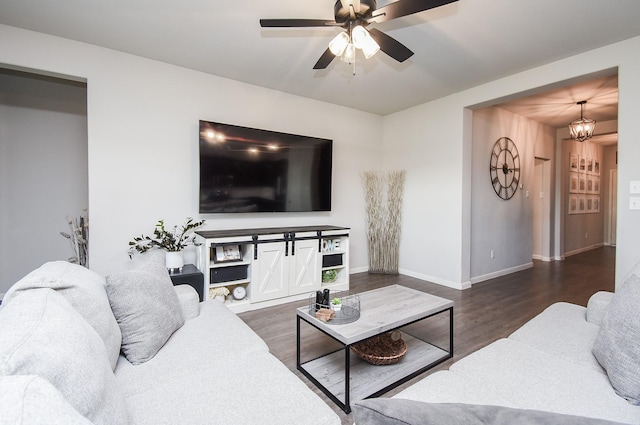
(143, 141)
(505, 227)
(433, 143)
(43, 170)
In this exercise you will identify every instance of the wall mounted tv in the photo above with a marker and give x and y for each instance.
(250, 170)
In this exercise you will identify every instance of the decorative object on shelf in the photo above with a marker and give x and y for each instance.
(336, 304)
(348, 312)
(504, 168)
(226, 253)
(239, 293)
(79, 238)
(171, 241)
(383, 219)
(219, 293)
(583, 128)
(329, 276)
(385, 349)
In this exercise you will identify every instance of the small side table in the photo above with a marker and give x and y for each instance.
(189, 275)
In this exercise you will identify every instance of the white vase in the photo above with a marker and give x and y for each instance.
(174, 260)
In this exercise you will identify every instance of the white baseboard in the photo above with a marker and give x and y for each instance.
(443, 282)
(358, 270)
(499, 273)
(542, 258)
(581, 250)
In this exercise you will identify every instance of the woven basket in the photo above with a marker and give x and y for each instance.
(381, 349)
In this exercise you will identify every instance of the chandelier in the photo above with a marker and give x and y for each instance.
(582, 129)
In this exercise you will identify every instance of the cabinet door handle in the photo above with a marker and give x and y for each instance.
(255, 246)
(292, 235)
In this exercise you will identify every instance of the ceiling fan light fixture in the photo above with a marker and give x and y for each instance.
(349, 55)
(339, 43)
(363, 40)
(583, 128)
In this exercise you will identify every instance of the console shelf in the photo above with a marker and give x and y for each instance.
(274, 265)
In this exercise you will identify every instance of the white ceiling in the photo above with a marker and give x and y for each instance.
(456, 46)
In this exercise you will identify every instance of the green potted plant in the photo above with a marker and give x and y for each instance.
(336, 304)
(172, 241)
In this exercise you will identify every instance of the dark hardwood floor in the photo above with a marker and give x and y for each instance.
(482, 314)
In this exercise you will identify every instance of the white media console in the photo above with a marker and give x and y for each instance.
(273, 265)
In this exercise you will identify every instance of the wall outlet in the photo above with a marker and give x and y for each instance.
(493, 254)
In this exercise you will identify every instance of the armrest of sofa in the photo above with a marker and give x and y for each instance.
(189, 301)
(597, 306)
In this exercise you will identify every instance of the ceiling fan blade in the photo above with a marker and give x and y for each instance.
(324, 60)
(390, 45)
(405, 7)
(287, 23)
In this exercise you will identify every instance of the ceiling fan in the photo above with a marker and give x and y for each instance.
(354, 16)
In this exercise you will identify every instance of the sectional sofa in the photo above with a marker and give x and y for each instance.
(76, 348)
(568, 365)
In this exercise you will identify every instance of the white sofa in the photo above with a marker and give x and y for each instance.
(544, 373)
(61, 359)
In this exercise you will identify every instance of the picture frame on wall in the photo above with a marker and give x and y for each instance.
(583, 164)
(226, 253)
(574, 163)
(574, 179)
(589, 184)
(590, 165)
(595, 204)
(582, 204)
(589, 207)
(596, 167)
(582, 183)
(573, 204)
(596, 184)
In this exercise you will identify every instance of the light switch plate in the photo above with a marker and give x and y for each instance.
(634, 187)
(634, 203)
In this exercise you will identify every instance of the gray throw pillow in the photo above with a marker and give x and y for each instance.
(397, 411)
(86, 292)
(42, 334)
(617, 346)
(146, 307)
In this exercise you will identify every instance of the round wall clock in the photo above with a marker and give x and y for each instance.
(505, 168)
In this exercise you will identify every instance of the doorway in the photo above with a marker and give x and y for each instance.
(542, 210)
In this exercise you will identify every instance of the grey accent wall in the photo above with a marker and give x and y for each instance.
(43, 169)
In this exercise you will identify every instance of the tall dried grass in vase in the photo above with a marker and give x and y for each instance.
(79, 239)
(383, 219)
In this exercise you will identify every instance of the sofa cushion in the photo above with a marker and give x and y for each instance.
(248, 389)
(384, 411)
(573, 341)
(86, 292)
(42, 334)
(32, 400)
(617, 346)
(509, 373)
(146, 307)
(216, 330)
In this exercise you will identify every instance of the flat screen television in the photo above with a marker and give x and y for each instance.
(250, 170)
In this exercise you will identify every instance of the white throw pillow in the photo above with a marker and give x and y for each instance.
(42, 334)
(86, 292)
(146, 307)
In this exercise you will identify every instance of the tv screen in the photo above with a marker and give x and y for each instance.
(249, 170)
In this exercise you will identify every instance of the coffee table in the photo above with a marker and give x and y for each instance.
(343, 376)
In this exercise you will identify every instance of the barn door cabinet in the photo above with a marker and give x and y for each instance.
(273, 265)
